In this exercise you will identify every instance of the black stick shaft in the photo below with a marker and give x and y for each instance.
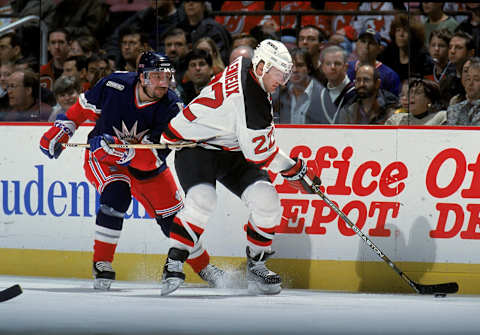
(364, 237)
(451, 287)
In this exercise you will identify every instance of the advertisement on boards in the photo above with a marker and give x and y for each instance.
(414, 192)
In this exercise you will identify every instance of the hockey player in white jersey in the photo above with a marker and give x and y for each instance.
(232, 123)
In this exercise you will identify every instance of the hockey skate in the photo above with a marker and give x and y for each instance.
(104, 275)
(173, 275)
(214, 276)
(260, 279)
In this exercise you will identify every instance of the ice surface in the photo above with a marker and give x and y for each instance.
(70, 307)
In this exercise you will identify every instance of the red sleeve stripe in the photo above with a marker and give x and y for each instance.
(78, 114)
(230, 149)
(188, 114)
(265, 163)
(172, 135)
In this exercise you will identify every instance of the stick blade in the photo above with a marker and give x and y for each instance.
(437, 288)
(10, 293)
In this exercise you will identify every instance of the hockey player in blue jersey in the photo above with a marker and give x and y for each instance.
(133, 107)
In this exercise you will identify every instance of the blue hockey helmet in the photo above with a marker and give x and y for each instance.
(154, 61)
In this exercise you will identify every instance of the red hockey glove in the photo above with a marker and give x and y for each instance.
(99, 146)
(51, 142)
(296, 176)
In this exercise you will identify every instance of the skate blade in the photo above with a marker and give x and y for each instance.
(102, 284)
(170, 285)
(255, 287)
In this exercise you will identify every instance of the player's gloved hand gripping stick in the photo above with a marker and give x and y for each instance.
(101, 147)
(51, 142)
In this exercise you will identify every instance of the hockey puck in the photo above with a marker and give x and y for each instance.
(440, 295)
(10, 292)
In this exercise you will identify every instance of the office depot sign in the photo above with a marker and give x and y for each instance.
(389, 182)
(414, 191)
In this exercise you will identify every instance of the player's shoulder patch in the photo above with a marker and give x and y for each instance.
(115, 85)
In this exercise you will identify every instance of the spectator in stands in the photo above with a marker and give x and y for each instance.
(23, 87)
(76, 67)
(403, 105)
(66, 91)
(84, 45)
(242, 50)
(290, 41)
(97, 68)
(436, 19)
(200, 71)
(472, 25)
(177, 44)
(28, 63)
(462, 95)
(10, 48)
(467, 112)
(199, 23)
(29, 32)
(153, 21)
(345, 38)
(339, 91)
(242, 24)
(379, 23)
(81, 17)
(31, 63)
(438, 50)
(58, 46)
(372, 105)
(406, 54)
(266, 29)
(6, 69)
(207, 44)
(460, 49)
(297, 102)
(311, 38)
(132, 43)
(368, 48)
(244, 39)
(423, 107)
(42, 8)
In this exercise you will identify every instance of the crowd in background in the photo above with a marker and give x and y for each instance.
(416, 67)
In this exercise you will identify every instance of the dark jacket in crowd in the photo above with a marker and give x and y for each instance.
(211, 28)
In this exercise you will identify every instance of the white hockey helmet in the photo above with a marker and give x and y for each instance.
(272, 53)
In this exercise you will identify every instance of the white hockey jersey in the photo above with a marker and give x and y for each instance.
(232, 113)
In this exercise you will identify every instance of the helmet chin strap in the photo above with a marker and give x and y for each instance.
(260, 78)
(146, 93)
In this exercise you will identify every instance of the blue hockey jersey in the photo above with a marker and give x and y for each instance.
(115, 100)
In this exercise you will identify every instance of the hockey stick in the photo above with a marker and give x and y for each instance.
(443, 288)
(135, 146)
(185, 144)
(10, 293)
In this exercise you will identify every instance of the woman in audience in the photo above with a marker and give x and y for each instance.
(462, 95)
(406, 54)
(423, 108)
(207, 44)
